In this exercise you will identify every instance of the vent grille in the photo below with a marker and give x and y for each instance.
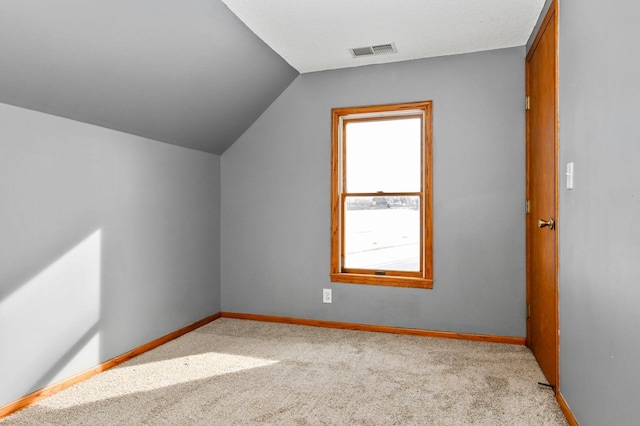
(381, 49)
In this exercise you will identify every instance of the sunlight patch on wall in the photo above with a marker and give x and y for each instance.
(49, 326)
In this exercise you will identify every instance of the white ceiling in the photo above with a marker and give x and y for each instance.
(315, 35)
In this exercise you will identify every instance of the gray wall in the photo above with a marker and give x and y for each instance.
(275, 233)
(599, 220)
(108, 241)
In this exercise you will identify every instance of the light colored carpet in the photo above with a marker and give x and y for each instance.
(237, 372)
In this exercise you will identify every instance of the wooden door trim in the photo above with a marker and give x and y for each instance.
(551, 18)
(551, 14)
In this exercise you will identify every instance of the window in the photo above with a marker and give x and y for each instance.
(381, 195)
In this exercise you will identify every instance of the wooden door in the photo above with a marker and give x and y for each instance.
(542, 184)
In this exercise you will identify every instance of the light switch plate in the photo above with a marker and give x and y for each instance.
(570, 175)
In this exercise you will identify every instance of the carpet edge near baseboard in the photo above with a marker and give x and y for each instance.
(47, 391)
(54, 388)
(378, 328)
(568, 414)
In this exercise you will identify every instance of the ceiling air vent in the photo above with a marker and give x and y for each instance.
(381, 49)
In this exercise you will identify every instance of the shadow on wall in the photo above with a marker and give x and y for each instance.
(50, 323)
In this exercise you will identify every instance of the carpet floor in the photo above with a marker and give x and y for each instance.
(238, 372)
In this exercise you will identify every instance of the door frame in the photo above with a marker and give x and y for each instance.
(551, 18)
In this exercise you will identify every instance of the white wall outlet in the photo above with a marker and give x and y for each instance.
(326, 295)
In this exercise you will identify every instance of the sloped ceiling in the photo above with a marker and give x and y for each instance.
(185, 72)
(191, 73)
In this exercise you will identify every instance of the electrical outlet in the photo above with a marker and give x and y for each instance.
(326, 295)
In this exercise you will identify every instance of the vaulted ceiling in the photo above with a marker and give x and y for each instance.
(185, 72)
(191, 73)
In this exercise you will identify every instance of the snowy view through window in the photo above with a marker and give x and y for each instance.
(382, 232)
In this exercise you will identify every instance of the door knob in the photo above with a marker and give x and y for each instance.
(550, 223)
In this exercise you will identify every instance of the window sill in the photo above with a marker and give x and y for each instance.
(383, 280)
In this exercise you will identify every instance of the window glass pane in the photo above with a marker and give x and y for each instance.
(383, 155)
(382, 233)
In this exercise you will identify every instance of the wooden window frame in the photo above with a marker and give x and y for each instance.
(340, 117)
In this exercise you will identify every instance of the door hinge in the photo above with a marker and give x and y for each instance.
(528, 310)
(527, 103)
(527, 207)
